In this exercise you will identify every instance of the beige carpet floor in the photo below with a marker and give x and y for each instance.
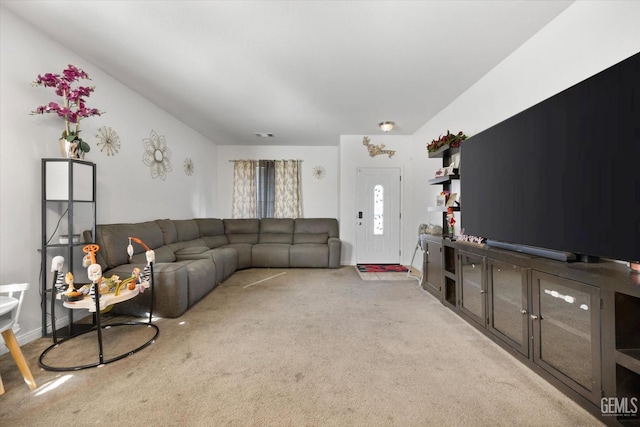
(309, 347)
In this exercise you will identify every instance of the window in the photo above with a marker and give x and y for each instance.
(378, 210)
(265, 189)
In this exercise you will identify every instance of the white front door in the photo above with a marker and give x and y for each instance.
(378, 216)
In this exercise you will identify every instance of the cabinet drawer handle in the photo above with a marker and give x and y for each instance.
(534, 317)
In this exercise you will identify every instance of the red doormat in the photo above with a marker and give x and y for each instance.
(381, 268)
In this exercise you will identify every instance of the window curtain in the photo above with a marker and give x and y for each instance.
(244, 189)
(266, 189)
(287, 189)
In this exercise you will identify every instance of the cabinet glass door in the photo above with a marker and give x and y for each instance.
(472, 289)
(433, 269)
(507, 288)
(566, 322)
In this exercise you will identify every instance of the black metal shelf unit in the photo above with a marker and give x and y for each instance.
(68, 224)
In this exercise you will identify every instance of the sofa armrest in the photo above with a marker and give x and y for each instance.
(335, 252)
(170, 294)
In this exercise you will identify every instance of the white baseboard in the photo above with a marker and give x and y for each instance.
(28, 336)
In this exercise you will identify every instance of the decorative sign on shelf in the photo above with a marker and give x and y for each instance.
(471, 239)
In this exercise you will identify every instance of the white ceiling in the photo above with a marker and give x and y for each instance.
(306, 71)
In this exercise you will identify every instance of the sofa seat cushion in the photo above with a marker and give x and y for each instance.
(270, 255)
(309, 255)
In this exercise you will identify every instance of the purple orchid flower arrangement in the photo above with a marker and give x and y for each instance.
(73, 107)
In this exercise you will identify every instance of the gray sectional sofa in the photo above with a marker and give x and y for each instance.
(193, 256)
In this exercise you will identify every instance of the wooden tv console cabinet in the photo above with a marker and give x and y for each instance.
(575, 324)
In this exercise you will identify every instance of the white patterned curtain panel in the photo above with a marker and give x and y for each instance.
(244, 189)
(287, 189)
(255, 195)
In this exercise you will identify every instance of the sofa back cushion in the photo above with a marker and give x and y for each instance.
(242, 230)
(212, 232)
(210, 226)
(315, 230)
(187, 229)
(163, 254)
(276, 230)
(168, 230)
(113, 240)
(215, 241)
(300, 238)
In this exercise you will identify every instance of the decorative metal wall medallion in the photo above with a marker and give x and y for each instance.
(157, 155)
(188, 166)
(319, 172)
(108, 140)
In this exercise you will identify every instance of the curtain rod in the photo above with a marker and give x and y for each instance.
(267, 160)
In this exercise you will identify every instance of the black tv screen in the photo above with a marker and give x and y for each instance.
(563, 174)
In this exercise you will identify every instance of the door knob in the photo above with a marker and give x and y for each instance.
(534, 317)
(523, 311)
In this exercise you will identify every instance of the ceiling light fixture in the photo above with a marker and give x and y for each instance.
(386, 126)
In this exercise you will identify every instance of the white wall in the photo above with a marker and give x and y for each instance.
(125, 190)
(319, 197)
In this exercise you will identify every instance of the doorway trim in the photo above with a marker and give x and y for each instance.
(364, 244)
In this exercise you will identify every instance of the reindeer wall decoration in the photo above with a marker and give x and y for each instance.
(375, 150)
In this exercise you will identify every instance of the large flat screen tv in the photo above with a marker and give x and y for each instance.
(565, 173)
